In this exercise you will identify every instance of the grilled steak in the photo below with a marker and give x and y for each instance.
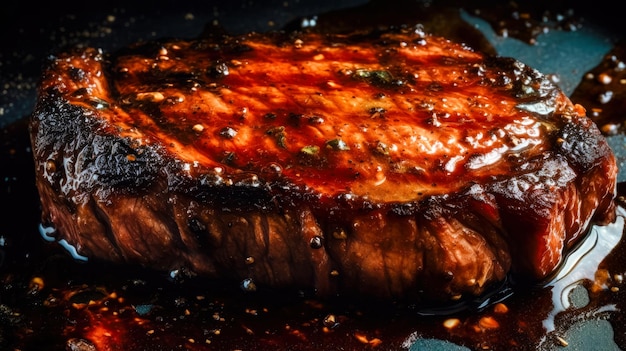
(388, 165)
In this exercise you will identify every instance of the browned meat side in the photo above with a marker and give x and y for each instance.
(389, 165)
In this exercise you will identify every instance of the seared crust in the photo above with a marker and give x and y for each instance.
(395, 164)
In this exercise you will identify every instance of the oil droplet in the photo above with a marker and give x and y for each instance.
(51, 167)
(36, 284)
(605, 97)
(330, 321)
(340, 234)
(248, 285)
(316, 242)
(500, 308)
(451, 323)
(604, 78)
(275, 168)
(488, 323)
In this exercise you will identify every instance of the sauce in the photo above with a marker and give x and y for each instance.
(47, 296)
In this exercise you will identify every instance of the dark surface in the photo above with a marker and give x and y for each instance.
(45, 295)
(338, 180)
(28, 36)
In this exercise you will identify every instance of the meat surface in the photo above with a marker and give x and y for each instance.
(389, 165)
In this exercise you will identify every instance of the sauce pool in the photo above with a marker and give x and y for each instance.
(49, 297)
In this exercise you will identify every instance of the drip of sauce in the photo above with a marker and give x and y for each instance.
(136, 309)
(582, 265)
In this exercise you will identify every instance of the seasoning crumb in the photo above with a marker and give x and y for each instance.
(153, 96)
(500, 308)
(36, 284)
(310, 150)
(198, 128)
(610, 129)
(562, 341)
(604, 78)
(451, 323)
(488, 323)
(372, 342)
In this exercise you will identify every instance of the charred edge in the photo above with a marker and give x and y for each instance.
(526, 84)
(111, 161)
(235, 197)
(583, 146)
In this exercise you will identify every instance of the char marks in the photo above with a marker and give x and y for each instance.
(394, 165)
(374, 115)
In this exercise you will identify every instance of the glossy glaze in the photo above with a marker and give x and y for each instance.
(389, 118)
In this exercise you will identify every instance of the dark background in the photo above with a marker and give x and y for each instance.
(32, 30)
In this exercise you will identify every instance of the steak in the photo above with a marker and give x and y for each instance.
(391, 164)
